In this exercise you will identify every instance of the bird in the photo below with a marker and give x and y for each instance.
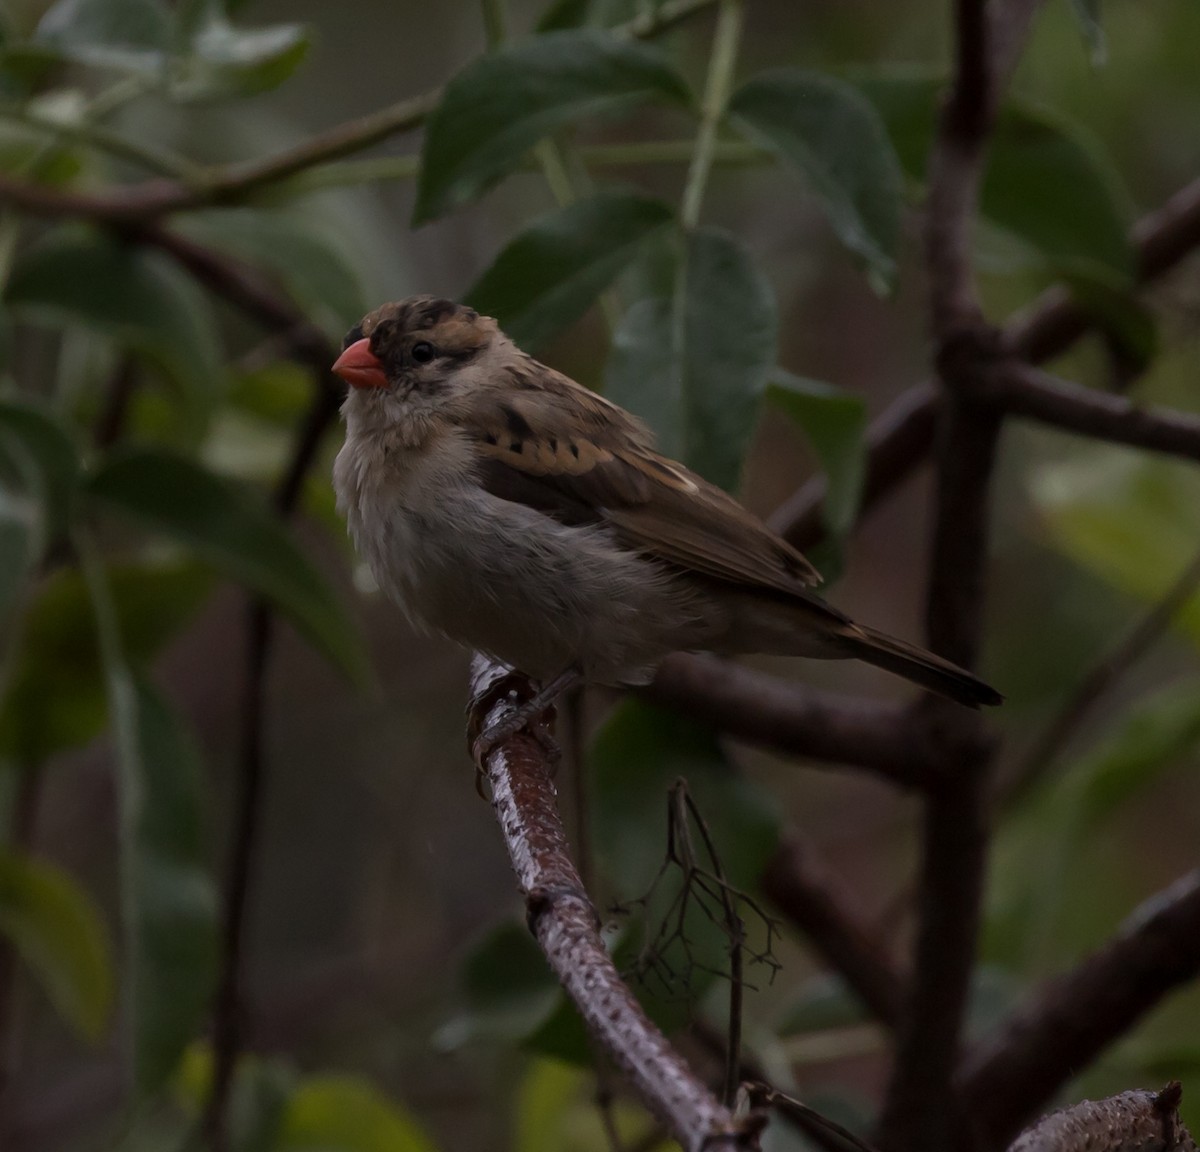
(506, 506)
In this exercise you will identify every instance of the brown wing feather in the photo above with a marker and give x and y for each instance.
(574, 456)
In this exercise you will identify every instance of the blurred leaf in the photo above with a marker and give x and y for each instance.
(508, 986)
(556, 1108)
(694, 368)
(1130, 519)
(226, 61)
(562, 1035)
(170, 899)
(834, 422)
(1087, 12)
(345, 1114)
(1046, 182)
(55, 698)
(832, 135)
(226, 527)
(548, 275)
(500, 105)
(1126, 322)
(258, 1100)
(277, 392)
(560, 14)
(1152, 734)
(824, 1002)
(47, 445)
(57, 931)
(127, 35)
(134, 295)
(311, 266)
(995, 993)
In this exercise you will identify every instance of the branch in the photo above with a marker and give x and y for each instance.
(918, 1111)
(1130, 1122)
(807, 893)
(563, 920)
(232, 183)
(901, 437)
(1015, 1073)
(791, 718)
(1020, 390)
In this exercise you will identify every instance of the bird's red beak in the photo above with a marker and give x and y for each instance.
(360, 367)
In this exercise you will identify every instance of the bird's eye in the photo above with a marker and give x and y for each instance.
(422, 352)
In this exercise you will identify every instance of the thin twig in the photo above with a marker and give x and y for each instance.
(228, 1023)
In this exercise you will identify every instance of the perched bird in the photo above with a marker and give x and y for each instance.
(519, 513)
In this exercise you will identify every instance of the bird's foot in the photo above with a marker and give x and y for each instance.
(534, 716)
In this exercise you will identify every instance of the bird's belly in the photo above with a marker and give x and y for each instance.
(536, 594)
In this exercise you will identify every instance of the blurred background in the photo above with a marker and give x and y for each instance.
(379, 872)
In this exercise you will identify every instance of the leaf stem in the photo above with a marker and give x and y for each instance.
(716, 94)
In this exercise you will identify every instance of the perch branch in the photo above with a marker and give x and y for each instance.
(563, 920)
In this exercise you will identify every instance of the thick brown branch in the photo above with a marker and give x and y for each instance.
(791, 718)
(562, 918)
(808, 894)
(1075, 1017)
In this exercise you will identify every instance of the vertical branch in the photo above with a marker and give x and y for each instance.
(228, 1023)
(918, 1112)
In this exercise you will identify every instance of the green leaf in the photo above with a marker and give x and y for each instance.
(508, 987)
(830, 133)
(502, 104)
(127, 35)
(55, 697)
(1131, 520)
(57, 931)
(127, 292)
(636, 757)
(1087, 13)
(223, 525)
(1046, 183)
(694, 368)
(346, 1114)
(560, 14)
(1153, 734)
(834, 423)
(227, 61)
(170, 898)
(47, 446)
(548, 276)
(310, 264)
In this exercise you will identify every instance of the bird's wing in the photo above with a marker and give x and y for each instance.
(574, 456)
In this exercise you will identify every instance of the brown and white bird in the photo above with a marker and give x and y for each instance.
(519, 513)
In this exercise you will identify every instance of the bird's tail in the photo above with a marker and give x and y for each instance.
(919, 666)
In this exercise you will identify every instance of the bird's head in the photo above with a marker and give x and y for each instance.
(415, 354)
